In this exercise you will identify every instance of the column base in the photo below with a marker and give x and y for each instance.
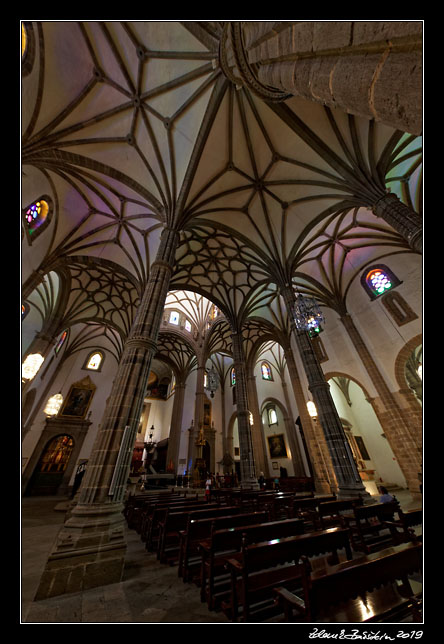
(89, 551)
(250, 484)
(352, 492)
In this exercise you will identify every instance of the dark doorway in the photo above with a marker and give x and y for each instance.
(51, 467)
(206, 455)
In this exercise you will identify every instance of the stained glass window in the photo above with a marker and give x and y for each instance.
(94, 361)
(24, 39)
(266, 371)
(233, 377)
(36, 214)
(174, 317)
(36, 217)
(377, 280)
(188, 326)
(61, 341)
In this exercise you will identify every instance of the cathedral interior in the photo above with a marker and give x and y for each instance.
(221, 262)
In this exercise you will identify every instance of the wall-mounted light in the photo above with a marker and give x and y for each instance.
(311, 407)
(53, 405)
(31, 365)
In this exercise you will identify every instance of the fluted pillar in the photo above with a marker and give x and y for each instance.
(176, 425)
(90, 547)
(247, 469)
(323, 473)
(403, 219)
(257, 429)
(404, 441)
(347, 475)
(368, 68)
(292, 438)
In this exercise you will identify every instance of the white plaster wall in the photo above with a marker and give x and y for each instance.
(71, 372)
(271, 430)
(379, 331)
(365, 423)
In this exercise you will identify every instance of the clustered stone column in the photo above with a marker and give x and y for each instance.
(402, 218)
(294, 446)
(90, 547)
(247, 469)
(404, 441)
(323, 472)
(347, 476)
(257, 429)
(176, 424)
(368, 68)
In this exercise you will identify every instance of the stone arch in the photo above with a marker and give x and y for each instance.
(402, 358)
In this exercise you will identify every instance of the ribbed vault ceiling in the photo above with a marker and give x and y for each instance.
(129, 126)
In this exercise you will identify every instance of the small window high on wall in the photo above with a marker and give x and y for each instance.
(94, 361)
(266, 371)
(36, 217)
(61, 341)
(378, 279)
(174, 317)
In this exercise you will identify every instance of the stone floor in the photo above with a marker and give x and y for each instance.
(149, 591)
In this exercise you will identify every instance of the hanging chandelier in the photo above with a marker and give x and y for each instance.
(307, 314)
(212, 381)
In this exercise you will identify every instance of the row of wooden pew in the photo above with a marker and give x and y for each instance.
(260, 554)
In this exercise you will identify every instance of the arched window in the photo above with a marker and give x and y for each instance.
(233, 377)
(31, 365)
(61, 341)
(398, 308)
(378, 279)
(188, 326)
(266, 371)
(53, 405)
(56, 456)
(36, 217)
(174, 318)
(94, 361)
(272, 416)
(24, 39)
(28, 47)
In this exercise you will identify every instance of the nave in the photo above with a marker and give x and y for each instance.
(150, 591)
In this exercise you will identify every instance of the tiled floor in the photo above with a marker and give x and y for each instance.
(149, 592)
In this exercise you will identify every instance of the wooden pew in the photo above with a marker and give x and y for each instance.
(330, 513)
(361, 590)
(199, 529)
(296, 484)
(155, 523)
(307, 508)
(174, 522)
(214, 579)
(261, 567)
(148, 504)
(402, 530)
(135, 502)
(150, 511)
(368, 532)
(279, 504)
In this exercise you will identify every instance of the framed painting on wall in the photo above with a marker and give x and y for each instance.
(276, 446)
(79, 399)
